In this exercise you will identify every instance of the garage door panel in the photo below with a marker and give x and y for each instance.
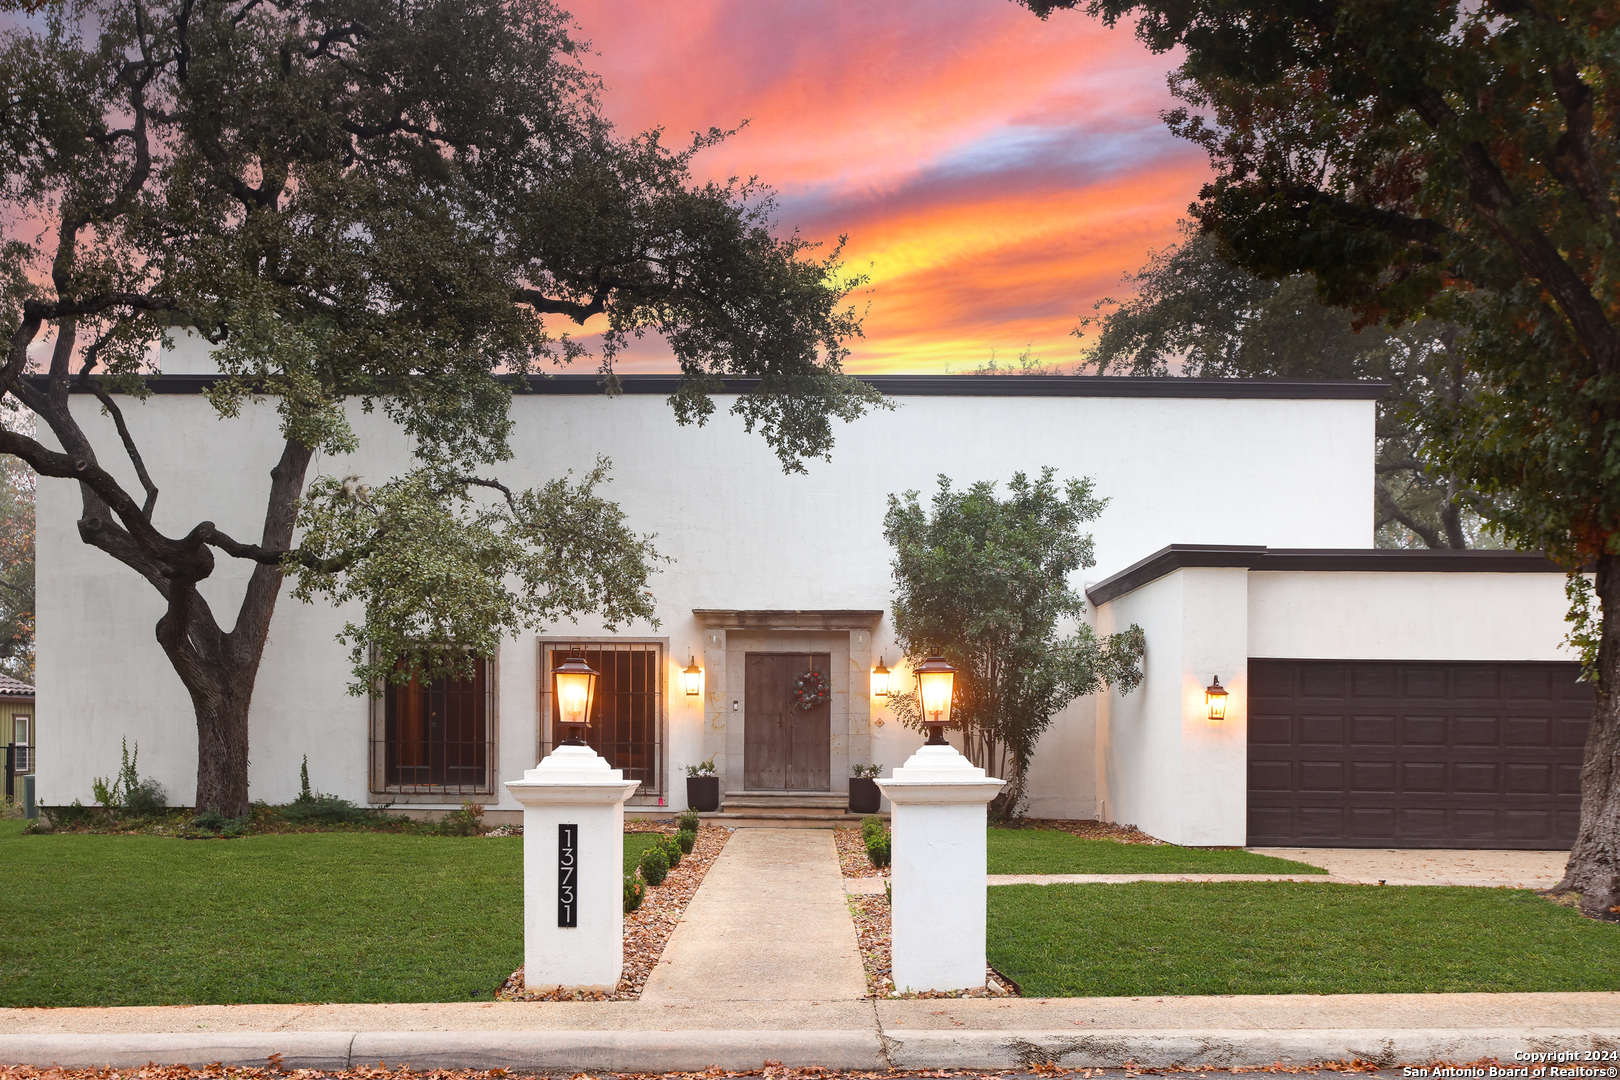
(1423, 754)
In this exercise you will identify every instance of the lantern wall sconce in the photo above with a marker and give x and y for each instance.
(935, 681)
(1215, 697)
(880, 680)
(576, 688)
(694, 678)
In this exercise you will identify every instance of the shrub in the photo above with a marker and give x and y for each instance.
(146, 799)
(213, 823)
(323, 809)
(688, 821)
(872, 824)
(68, 817)
(654, 865)
(127, 793)
(672, 850)
(468, 821)
(686, 839)
(877, 849)
(635, 891)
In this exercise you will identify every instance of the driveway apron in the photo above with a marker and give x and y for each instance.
(769, 923)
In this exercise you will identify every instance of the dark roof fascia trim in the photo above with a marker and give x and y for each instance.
(1317, 560)
(719, 618)
(923, 386)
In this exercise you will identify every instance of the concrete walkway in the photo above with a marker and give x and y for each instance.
(769, 923)
(1344, 866)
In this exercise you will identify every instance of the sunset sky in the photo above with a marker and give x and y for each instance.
(996, 174)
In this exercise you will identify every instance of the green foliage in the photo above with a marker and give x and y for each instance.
(1148, 939)
(877, 845)
(873, 825)
(866, 772)
(305, 792)
(213, 823)
(127, 794)
(73, 815)
(654, 865)
(16, 570)
(985, 582)
(688, 821)
(686, 839)
(467, 821)
(1197, 314)
(1585, 632)
(635, 844)
(635, 891)
(672, 851)
(325, 809)
(702, 768)
(335, 916)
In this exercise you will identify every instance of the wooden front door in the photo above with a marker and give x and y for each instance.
(785, 748)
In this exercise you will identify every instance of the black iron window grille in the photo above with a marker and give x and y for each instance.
(435, 738)
(627, 714)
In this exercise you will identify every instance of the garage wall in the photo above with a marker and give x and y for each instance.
(1407, 616)
(1161, 765)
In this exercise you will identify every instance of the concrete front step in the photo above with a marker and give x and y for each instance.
(781, 819)
(787, 800)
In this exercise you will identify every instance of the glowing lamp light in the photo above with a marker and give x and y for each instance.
(576, 686)
(1215, 697)
(880, 680)
(935, 680)
(694, 678)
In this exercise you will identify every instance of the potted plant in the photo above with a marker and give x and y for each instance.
(864, 796)
(702, 786)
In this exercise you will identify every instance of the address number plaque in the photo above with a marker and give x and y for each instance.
(567, 875)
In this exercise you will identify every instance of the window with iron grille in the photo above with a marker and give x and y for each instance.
(435, 738)
(627, 714)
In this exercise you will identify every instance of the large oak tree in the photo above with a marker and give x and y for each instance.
(1459, 161)
(385, 205)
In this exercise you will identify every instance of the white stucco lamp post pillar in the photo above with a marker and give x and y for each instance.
(573, 854)
(938, 801)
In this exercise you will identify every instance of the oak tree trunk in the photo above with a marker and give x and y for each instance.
(1594, 862)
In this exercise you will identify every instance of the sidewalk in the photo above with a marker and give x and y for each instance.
(765, 967)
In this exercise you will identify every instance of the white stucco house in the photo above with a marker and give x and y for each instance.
(1377, 698)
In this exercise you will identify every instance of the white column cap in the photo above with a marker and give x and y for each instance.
(939, 774)
(572, 774)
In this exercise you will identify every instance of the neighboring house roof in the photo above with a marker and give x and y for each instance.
(15, 688)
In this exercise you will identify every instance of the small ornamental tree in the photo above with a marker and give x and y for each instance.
(1457, 161)
(382, 206)
(985, 582)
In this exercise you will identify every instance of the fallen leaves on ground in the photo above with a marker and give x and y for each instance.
(871, 915)
(646, 930)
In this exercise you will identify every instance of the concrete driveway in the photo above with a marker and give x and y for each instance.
(1514, 869)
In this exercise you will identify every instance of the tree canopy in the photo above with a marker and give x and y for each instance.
(984, 582)
(1456, 161)
(1195, 313)
(395, 207)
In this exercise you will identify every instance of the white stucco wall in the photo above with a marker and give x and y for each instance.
(1160, 764)
(1302, 615)
(741, 533)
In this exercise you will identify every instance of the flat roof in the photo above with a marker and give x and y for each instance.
(1321, 560)
(1104, 386)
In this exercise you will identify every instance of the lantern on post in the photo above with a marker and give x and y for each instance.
(1215, 697)
(576, 689)
(880, 680)
(694, 677)
(935, 681)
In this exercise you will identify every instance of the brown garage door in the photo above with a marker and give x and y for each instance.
(1418, 755)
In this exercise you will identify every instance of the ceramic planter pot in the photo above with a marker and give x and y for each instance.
(864, 796)
(703, 793)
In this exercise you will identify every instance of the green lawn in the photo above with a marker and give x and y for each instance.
(1051, 851)
(1292, 938)
(132, 920)
(634, 844)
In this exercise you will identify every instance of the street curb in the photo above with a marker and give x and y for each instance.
(864, 1050)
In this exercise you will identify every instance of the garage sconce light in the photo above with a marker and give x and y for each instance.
(694, 678)
(880, 680)
(1215, 697)
(935, 681)
(576, 687)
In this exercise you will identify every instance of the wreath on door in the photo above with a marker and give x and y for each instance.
(810, 690)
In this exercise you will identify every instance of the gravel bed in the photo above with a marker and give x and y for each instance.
(646, 930)
(1089, 830)
(871, 915)
(852, 855)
